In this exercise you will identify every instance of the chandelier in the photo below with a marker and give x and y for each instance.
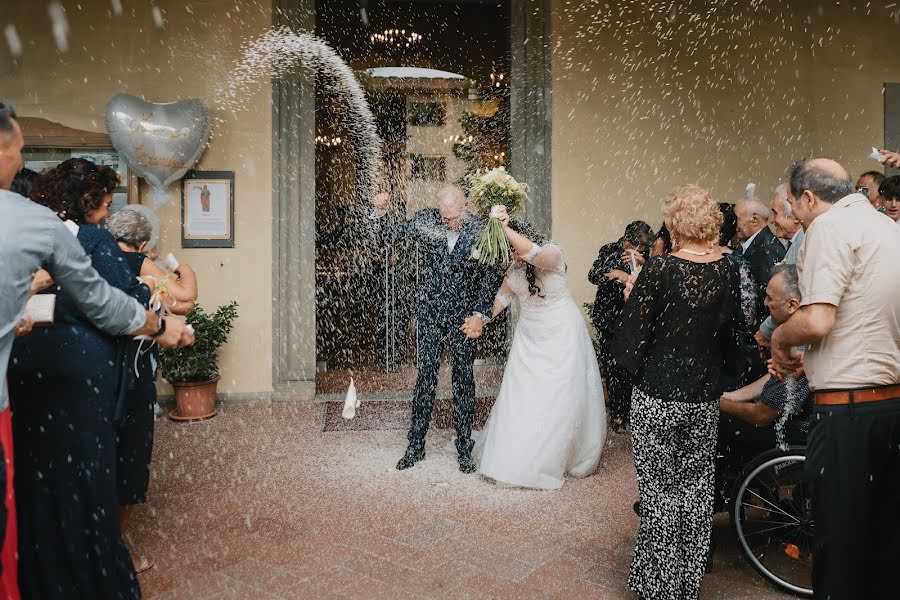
(328, 141)
(396, 37)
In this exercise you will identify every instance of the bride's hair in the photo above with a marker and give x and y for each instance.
(528, 230)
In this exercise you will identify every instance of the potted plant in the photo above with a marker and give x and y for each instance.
(194, 371)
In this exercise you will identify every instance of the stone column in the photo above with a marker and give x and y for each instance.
(294, 219)
(530, 87)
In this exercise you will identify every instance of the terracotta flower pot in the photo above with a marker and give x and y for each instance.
(194, 400)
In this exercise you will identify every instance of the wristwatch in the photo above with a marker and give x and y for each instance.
(161, 329)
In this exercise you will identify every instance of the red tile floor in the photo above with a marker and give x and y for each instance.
(259, 502)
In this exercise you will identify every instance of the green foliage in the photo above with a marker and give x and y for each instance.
(489, 133)
(199, 362)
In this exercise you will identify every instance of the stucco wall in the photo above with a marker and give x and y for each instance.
(644, 100)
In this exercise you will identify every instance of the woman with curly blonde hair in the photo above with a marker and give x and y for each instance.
(680, 333)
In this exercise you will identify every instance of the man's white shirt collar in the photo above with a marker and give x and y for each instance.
(745, 245)
(452, 238)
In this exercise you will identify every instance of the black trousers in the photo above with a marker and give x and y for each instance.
(853, 465)
(430, 344)
(618, 381)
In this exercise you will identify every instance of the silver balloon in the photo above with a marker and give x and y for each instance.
(160, 142)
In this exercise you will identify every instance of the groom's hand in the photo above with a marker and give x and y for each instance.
(473, 327)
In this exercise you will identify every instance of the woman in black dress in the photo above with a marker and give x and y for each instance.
(64, 383)
(681, 327)
(134, 433)
(609, 273)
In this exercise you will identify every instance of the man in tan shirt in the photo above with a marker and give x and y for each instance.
(849, 317)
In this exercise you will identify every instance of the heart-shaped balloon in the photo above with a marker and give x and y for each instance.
(160, 142)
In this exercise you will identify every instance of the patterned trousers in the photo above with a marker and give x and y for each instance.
(674, 455)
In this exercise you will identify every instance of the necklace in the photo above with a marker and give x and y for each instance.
(694, 252)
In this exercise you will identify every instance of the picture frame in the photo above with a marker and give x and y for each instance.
(207, 209)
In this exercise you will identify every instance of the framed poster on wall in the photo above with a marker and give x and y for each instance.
(207, 209)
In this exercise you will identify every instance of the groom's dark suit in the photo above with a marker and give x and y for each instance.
(450, 287)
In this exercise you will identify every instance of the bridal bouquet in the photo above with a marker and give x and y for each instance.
(496, 187)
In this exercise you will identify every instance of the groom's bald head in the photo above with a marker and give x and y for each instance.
(452, 204)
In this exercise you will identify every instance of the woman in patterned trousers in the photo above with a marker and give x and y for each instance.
(680, 323)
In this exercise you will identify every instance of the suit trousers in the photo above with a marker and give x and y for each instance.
(430, 344)
(853, 465)
(618, 381)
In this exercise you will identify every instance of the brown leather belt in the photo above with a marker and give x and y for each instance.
(887, 392)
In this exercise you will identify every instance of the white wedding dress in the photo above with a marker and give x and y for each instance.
(549, 419)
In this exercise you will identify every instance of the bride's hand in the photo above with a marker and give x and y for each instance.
(498, 211)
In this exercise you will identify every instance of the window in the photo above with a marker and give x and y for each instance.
(428, 168)
(427, 114)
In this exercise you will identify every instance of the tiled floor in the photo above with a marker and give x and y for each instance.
(260, 503)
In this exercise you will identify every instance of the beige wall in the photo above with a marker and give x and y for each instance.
(130, 54)
(734, 96)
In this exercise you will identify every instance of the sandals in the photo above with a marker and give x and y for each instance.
(619, 426)
(144, 564)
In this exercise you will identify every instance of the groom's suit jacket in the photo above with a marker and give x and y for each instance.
(450, 285)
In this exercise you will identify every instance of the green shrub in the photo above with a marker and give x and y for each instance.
(199, 362)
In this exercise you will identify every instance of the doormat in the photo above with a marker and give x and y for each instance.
(383, 415)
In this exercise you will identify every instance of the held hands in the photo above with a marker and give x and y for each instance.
(473, 327)
(498, 211)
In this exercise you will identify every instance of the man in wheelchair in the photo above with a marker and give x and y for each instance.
(748, 416)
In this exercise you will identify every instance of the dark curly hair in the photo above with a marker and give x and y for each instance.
(74, 187)
(22, 182)
(666, 237)
(729, 223)
(529, 231)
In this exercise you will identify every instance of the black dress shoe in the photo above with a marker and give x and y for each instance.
(412, 456)
(467, 465)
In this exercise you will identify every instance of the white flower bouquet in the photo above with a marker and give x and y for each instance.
(496, 187)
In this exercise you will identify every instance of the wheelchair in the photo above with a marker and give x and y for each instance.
(770, 508)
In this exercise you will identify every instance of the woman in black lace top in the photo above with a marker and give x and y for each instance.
(680, 326)
(609, 273)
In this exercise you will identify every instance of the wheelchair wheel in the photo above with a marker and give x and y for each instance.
(772, 516)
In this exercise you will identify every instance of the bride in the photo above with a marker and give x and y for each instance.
(549, 419)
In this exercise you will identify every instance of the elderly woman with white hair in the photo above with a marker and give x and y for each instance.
(133, 231)
(134, 433)
(682, 325)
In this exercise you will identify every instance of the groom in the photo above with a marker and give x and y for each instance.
(453, 292)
